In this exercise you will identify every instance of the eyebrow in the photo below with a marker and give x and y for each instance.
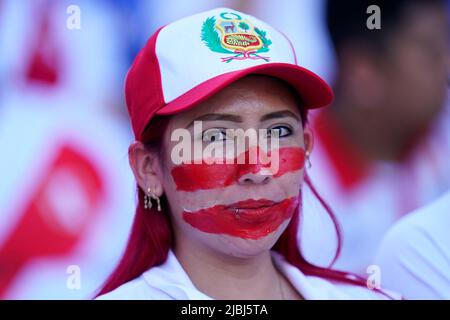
(235, 118)
(216, 117)
(279, 114)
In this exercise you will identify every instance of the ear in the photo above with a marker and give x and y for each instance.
(308, 139)
(145, 165)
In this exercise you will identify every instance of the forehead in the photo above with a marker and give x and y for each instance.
(250, 97)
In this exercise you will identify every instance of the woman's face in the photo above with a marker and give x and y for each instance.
(239, 198)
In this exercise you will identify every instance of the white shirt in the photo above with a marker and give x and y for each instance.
(169, 281)
(414, 257)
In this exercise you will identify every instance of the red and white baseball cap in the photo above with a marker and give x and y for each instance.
(189, 60)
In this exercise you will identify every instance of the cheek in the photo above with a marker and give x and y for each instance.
(203, 176)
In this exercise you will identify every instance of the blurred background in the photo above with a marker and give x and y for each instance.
(67, 195)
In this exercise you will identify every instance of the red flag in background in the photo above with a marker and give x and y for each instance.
(45, 56)
(56, 216)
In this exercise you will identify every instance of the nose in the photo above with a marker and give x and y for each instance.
(253, 171)
(263, 176)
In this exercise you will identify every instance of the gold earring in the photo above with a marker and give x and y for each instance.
(148, 202)
(308, 161)
(158, 202)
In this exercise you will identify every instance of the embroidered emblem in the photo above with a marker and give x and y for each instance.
(238, 37)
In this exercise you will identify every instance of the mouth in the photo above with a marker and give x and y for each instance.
(252, 204)
(248, 219)
(254, 211)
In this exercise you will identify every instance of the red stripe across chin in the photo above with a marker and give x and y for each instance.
(192, 177)
(256, 218)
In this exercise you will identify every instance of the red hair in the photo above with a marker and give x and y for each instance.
(152, 236)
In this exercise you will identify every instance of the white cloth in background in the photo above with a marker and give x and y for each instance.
(414, 257)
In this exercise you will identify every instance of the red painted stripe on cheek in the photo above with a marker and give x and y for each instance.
(248, 224)
(192, 177)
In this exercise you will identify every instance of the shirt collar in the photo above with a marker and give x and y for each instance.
(171, 279)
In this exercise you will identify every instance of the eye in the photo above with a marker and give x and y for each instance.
(282, 131)
(214, 134)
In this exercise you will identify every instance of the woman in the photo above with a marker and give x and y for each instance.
(213, 221)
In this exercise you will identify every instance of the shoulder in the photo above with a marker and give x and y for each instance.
(136, 289)
(427, 226)
(414, 256)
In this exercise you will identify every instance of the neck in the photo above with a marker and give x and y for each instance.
(222, 276)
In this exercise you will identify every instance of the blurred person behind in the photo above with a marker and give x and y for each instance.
(385, 140)
(414, 257)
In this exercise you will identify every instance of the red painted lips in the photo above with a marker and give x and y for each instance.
(252, 204)
(249, 219)
(253, 210)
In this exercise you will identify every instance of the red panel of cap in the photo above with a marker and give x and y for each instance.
(143, 91)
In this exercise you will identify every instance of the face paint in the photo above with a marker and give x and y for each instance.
(249, 219)
(192, 177)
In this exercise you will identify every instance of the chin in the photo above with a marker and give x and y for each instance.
(244, 248)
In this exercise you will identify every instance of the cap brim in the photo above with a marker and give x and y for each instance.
(313, 91)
